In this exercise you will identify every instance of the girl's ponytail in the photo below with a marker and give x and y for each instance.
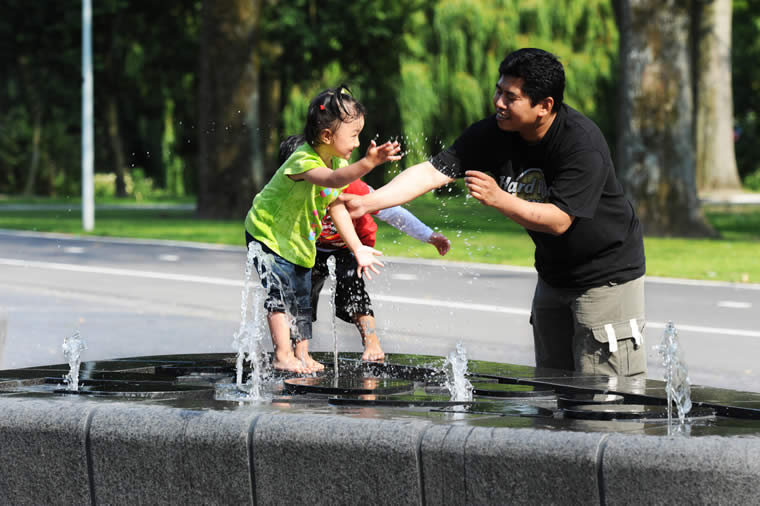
(328, 110)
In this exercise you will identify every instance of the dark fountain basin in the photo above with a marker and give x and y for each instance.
(403, 386)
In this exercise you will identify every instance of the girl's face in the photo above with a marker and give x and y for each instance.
(345, 138)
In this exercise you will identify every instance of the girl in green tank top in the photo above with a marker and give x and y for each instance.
(286, 217)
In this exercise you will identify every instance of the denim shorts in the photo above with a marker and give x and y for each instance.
(288, 289)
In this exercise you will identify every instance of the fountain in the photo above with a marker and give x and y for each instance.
(333, 309)
(249, 339)
(455, 369)
(677, 382)
(170, 428)
(73, 346)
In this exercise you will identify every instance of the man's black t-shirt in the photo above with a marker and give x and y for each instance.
(570, 167)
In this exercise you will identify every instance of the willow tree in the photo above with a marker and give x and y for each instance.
(455, 46)
(230, 158)
(656, 142)
(716, 158)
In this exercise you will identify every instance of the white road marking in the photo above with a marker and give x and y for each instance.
(404, 277)
(385, 298)
(734, 304)
(120, 272)
(168, 258)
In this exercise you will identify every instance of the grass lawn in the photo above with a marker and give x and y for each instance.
(477, 233)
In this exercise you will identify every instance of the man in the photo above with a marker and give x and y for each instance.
(552, 174)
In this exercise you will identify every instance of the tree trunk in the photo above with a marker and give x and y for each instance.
(117, 149)
(34, 164)
(716, 159)
(229, 115)
(655, 151)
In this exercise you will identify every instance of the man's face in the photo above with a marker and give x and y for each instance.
(513, 110)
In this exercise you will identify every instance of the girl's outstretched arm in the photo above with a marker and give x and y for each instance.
(376, 155)
(365, 256)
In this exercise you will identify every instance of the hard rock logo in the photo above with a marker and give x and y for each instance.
(530, 185)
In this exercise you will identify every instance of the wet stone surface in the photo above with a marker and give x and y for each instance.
(403, 386)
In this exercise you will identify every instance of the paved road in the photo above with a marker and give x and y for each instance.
(145, 297)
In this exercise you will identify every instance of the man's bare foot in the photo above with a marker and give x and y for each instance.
(290, 363)
(372, 350)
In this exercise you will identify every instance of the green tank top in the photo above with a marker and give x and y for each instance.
(286, 215)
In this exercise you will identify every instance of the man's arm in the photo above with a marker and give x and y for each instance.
(536, 216)
(408, 185)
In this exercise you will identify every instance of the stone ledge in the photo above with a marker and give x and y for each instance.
(676, 470)
(77, 451)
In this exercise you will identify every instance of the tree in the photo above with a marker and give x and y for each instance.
(228, 107)
(716, 159)
(656, 142)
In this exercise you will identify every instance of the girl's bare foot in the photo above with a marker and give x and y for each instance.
(312, 364)
(290, 363)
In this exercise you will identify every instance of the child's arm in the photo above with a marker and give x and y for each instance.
(403, 220)
(376, 155)
(365, 256)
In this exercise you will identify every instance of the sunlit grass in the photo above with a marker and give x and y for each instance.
(477, 234)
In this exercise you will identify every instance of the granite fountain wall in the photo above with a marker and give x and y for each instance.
(69, 449)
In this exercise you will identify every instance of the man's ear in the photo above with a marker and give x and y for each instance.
(546, 106)
(325, 136)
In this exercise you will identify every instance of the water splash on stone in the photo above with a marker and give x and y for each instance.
(677, 382)
(455, 369)
(73, 346)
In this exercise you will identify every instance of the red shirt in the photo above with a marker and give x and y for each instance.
(365, 226)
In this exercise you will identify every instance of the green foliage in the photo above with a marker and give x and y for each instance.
(746, 86)
(173, 164)
(142, 52)
(752, 181)
(137, 185)
(454, 48)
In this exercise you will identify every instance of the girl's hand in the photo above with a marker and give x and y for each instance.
(365, 257)
(384, 153)
(483, 187)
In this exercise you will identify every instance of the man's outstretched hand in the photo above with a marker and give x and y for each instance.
(354, 205)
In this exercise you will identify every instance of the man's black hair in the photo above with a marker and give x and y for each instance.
(542, 74)
(328, 109)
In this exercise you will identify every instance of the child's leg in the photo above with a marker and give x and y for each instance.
(302, 354)
(284, 358)
(353, 305)
(366, 325)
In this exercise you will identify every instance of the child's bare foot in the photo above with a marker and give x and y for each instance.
(290, 363)
(313, 365)
(301, 351)
(372, 350)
